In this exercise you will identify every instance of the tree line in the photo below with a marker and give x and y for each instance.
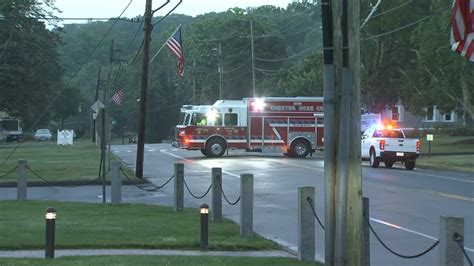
(405, 52)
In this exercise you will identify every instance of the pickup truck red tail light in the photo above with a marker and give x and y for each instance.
(418, 146)
(382, 144)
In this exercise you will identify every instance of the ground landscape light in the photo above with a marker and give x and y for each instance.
(50, 231)
(50, 213)
(204, 210)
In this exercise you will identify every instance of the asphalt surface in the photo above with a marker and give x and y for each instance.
(405, 206)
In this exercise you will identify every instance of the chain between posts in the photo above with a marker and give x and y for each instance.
(396, 253)
(310, 202)
(9, 172)
(50, 182)
(458, 238)
(144, 187)
(227, 200)
(194, 196)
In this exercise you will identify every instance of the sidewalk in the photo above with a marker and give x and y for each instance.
(152, 252)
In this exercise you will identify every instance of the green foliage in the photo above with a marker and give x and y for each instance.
(29, 68)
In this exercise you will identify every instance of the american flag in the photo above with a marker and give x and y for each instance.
(462, 31)
(174, 43)
(118, 96)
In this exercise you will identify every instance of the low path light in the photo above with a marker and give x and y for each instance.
(50, 216)
(204, 225)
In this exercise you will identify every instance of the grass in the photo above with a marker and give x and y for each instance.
(89, 225)
(52, 162)
(448, 162)
(441, 148)
(158, 260)
(447, 144)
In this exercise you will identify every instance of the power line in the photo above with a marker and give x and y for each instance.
(441, 10)
(61, 90)
(392, 9)
(237, 68)
(167, 14)
(286, 58)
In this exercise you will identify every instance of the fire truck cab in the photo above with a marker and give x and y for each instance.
(291, 125)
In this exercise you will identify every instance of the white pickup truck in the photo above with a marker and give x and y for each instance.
(389, 145)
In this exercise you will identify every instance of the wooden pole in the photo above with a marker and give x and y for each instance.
(143, 92)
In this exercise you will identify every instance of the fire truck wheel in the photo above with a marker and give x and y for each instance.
(215, 147)
(300, 148)
(204, 152)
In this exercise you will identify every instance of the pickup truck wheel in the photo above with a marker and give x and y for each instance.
(300, 149)
(215, 148)
(373, 161)
(388, 164)
(409, 165)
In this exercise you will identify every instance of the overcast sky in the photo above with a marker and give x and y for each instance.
(112, 8)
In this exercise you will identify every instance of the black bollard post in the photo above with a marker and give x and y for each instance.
(204, 225)
(50, 232)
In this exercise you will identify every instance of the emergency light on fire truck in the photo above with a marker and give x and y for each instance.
(291, 125)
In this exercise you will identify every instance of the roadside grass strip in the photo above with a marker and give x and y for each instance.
(127, 226)
(79, 162)
(448, 162)
(159, 260)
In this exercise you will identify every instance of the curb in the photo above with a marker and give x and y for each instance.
(150, 252)
(72, 183)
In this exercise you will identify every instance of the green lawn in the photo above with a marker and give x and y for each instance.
(448, 144)
(52, 162)
(448, 162)
(89, 225)
(158, 260)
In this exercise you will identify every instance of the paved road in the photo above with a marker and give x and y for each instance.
(405, 206)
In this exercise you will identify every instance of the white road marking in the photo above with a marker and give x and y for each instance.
(448, 178)
(129, 150)
(201, 163)
(411, 231)
(302, 166)
(322, 170)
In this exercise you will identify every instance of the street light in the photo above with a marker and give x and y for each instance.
(50, 217)
(204, 225)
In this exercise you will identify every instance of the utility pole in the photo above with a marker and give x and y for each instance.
(343, 188)
(329, 133)
(253, 55)
(143, 92)
(355, 252)
(93, 133)
(219, 54)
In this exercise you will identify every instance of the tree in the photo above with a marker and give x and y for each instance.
(441, 77)
(29, 68)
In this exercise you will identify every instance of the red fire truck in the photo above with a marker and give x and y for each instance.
(292, 125)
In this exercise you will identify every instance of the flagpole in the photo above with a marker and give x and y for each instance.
(159, 50)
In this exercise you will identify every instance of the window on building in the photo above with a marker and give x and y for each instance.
(448, 117)
(230, 119)
(395, 113)
(429, 114)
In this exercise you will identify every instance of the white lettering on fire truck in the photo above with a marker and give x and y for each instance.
(282, 108)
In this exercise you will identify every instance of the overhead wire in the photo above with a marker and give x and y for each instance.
(438, 12)
(167, 14)
(286, 58)
(64, 87)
